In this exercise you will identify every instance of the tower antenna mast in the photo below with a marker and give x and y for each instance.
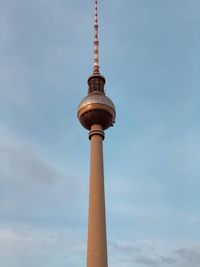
(96, 40)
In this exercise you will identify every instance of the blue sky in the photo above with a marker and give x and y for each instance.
(149, 54)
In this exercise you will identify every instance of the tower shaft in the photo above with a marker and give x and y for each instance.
(97, 244)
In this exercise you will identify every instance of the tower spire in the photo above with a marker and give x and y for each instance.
(96, 40)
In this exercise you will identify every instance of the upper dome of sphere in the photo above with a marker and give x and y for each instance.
(96, 108)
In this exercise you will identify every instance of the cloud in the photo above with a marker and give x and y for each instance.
(154, 253)
(34, 187)
(23, 242)
(155, 261)
(147, 261)
(23, 161)
(22, 235)
(42, 243)
(189, 256)
(63, 245)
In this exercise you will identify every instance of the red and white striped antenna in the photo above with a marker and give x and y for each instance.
(96, 40)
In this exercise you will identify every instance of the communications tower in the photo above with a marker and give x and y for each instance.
(96, 113)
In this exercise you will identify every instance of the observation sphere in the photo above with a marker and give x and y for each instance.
(96, 108)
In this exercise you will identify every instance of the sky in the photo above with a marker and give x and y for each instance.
(149, 54)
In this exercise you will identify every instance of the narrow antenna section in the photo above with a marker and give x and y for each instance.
(96, 40)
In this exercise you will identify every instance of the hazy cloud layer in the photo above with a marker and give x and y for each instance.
(31, 181)
(155, 253)
(44, 244)
(23, 161)
(22, 244)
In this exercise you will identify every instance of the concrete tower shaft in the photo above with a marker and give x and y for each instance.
(97, 244)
